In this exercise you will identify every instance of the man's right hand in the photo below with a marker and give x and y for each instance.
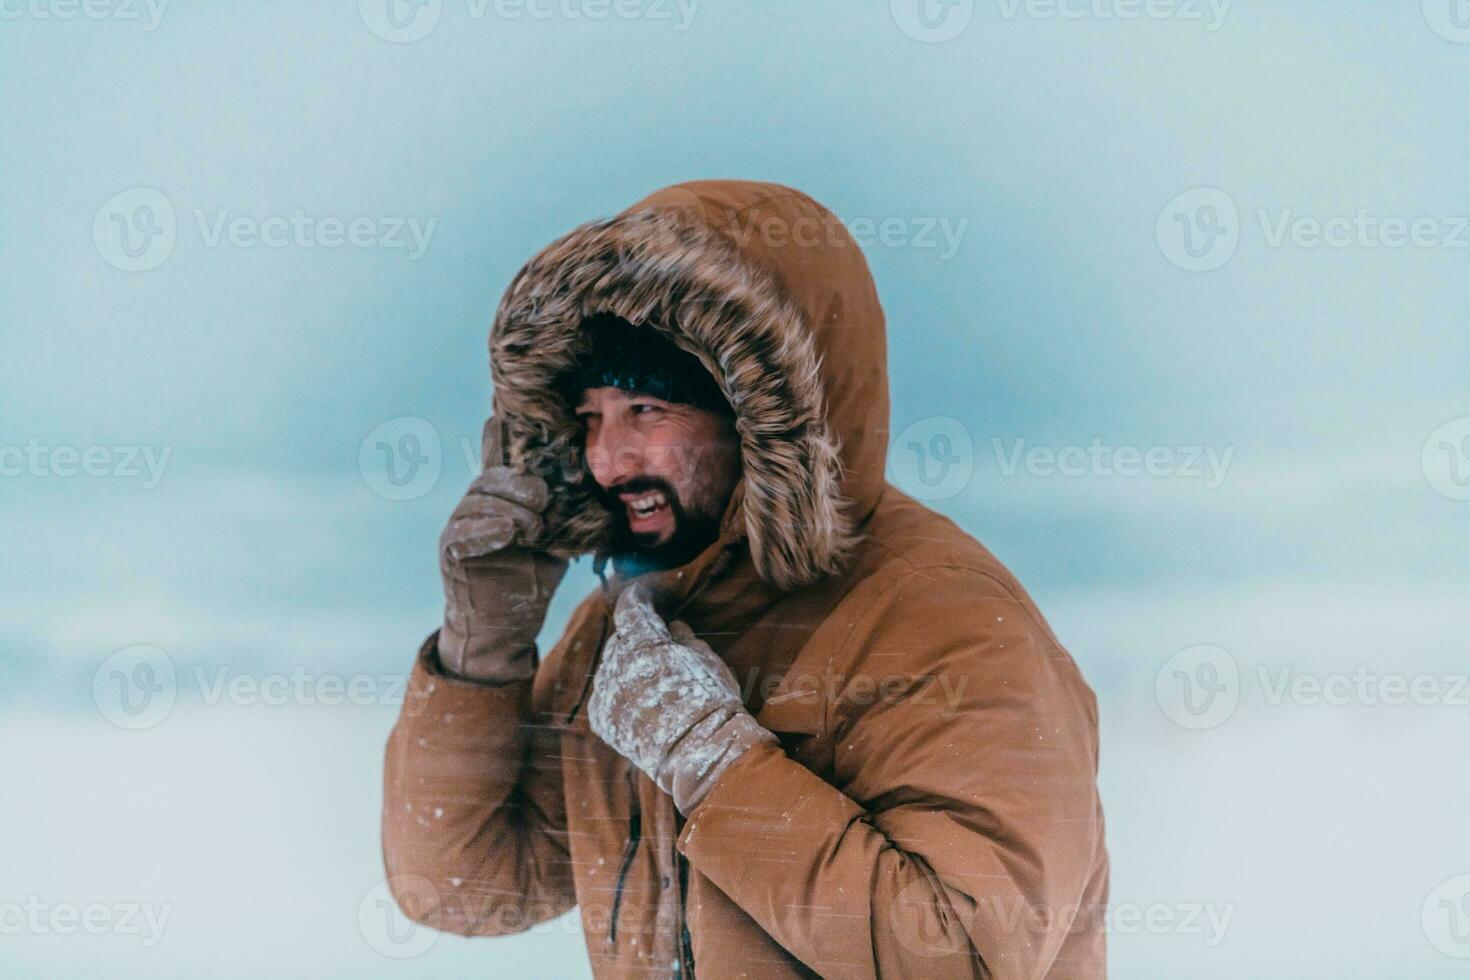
(497, 583)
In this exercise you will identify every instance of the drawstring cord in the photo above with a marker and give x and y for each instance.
(599, 562)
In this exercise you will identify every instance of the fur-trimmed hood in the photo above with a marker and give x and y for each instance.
(766, 287)
(888, 831)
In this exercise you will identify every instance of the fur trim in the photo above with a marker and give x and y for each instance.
(680, 276)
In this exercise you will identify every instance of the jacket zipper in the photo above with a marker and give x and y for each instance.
(686, 943)
(635, 834)
(684, 969)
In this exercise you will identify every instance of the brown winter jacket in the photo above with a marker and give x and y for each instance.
(931, 808)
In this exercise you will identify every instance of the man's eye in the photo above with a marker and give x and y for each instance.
(644, 409)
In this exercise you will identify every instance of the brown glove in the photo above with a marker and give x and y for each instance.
(666, 702)
(497, 585)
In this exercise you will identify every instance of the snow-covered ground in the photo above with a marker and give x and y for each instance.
(251, 834)
(1290, 840)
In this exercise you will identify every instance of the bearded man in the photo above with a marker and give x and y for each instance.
(808, 727)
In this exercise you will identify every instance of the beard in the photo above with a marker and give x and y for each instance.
(695, 528)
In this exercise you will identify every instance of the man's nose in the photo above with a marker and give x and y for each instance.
(614, 454)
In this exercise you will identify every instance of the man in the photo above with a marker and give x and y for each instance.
(808, 727)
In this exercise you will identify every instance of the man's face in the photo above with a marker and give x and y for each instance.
(666, 471)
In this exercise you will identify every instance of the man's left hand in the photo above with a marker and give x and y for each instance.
(666, 702)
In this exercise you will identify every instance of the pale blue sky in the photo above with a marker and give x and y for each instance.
(1055, 144)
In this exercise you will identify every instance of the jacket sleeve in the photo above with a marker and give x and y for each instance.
(961, 834)
(474, 823)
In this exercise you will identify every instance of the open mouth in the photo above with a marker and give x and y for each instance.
(646, 510)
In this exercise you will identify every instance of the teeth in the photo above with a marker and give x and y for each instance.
(645, 505)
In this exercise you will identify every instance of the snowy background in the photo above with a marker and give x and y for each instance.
(199, 662)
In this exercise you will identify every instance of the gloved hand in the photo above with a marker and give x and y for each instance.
(666, 702)
(497, 584)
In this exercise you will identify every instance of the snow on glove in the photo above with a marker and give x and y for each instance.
(666, 702)
(497, 585)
